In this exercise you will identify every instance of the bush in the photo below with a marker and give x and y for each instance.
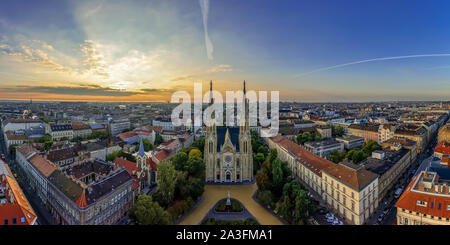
(235, 206)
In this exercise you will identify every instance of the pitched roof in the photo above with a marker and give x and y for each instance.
(44, 166)
(409, 199)
(141, 151)
(61, 154)
(80, 126)
(131, 167)
(162, 154)
(356, 178)
(443, 148)
(66, 185)
(153, 165)
(233, 134)
(20, 209)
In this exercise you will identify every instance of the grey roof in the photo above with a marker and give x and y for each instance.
(233, 134)
(64, 127)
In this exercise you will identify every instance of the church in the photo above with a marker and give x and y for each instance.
(228, 152)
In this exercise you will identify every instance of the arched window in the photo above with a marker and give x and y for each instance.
(237, 163)
(218, 163)
(210, 147)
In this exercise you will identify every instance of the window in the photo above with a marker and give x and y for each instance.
(421, 203)
(14, 221)
(439, 206)
(22, 220)
(6, 222)
(432, 205)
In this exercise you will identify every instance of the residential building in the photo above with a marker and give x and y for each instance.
(366, 131)
(413, 132)
(351, 191)
(324, 147)
(80, 129)
(14, 206)
(385, 132)
(61, 131)
(351, 141)
(389, 164)
(118, 126)
(426, 200)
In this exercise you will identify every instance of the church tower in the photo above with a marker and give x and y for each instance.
(246, 155)
(210, 145)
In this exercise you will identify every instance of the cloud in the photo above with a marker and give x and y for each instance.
(372, 60)
(90, 90)
(94, 60)
(220, 68)
(204, 5)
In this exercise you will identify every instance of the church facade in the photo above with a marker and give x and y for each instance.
(228, 152)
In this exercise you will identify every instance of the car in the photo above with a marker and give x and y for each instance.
(3, 157)
(322, 211)
(329, 215)
(380, 218)
(386, 211)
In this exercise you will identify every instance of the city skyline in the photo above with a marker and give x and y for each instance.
(143, 51)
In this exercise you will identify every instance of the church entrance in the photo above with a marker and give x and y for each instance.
(228, 176)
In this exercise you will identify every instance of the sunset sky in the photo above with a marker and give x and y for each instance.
(311, 51)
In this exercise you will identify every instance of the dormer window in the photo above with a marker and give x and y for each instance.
(421, 203)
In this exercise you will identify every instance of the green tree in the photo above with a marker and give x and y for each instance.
(263, 178)
(12, 149)
(284, 208)
(44, 139)
(265, 197)
(196, 167)
(166, 182)
(146, 143)
(263, 149)
(48, 145)
(179, 161)
(199, 144)
(158, 140)
(258, 160)
(338, 131)
(148, 212)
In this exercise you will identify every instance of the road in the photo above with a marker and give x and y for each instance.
(243, 193)
(388, 203)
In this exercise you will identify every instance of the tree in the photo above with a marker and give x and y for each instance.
(258, 160)
(199, 144)
(263, 149)
(48, 145)
(277, 177)
(263, 178)
(336, 157)
(195, 153)
(158, 140)
(358, 156)
(166, 182)
(148, 212)
(284, 208)
(338, 131)
(12, 149)
(179, 161)
(265, 197)
(146, 143)
(196, 167)
(44, 139)
(304, 206)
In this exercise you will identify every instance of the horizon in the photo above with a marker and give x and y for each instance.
(144, 51)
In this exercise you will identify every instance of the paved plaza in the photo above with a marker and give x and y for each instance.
(243, 193)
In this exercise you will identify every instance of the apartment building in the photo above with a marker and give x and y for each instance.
(324, 147)
(351, 141)
(351, 191)
(364, 130)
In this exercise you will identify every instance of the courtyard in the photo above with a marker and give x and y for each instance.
(243, 193)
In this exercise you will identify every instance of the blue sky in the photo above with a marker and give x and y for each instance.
(145, 50)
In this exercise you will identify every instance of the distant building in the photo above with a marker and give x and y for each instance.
(413, 132)
(61, 131)
(325, 147)
(386, 132)
(80, 129)
(444, 133)
(351, 141)
(166, 124)
(118, 126)
(366, 131)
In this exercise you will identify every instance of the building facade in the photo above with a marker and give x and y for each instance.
(228, 152)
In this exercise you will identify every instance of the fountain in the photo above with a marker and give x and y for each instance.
(228, 204)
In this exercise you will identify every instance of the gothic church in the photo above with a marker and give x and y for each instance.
(228, 152)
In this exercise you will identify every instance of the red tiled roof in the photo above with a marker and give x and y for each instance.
(81, 201)
(153, 165)
(12, 136)
(43, 165)
(131, 167)
(127, 135)
(443, 148)
(80, 126)
(140, 132)
(20, 208)
(162, 154)
(409, 199)
(356, 178)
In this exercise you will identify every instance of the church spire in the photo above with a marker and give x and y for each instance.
(210, 93)
(141, 149)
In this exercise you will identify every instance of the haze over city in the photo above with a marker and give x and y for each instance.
(130, 51)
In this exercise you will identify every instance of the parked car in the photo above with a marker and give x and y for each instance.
(386, 211)
(3, 157)
(380, 218)
(398, 192)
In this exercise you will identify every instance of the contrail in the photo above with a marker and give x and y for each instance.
(370, 60)
(204, 5)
